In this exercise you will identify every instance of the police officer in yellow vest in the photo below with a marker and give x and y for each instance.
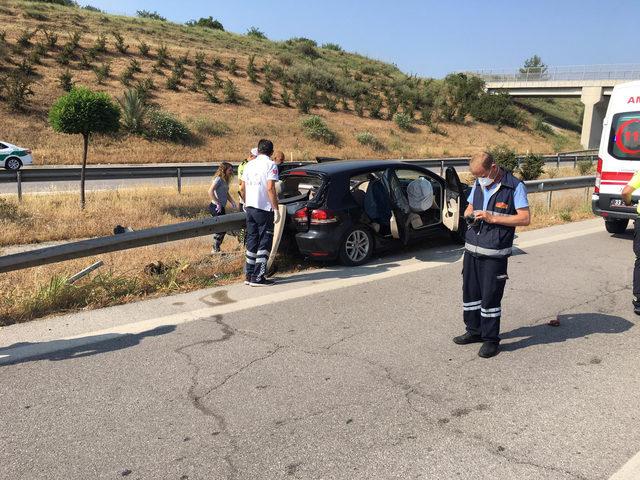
(497, 205)
(627, 191)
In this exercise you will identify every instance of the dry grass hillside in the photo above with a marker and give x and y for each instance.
(221, 130)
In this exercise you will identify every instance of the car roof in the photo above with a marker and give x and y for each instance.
(349, 166)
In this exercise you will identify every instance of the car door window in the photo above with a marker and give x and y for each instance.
(3, 146)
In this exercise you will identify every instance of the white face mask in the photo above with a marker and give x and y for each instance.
(485, 181)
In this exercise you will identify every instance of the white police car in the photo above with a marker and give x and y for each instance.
(13, 157)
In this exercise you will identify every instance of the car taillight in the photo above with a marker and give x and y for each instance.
(301, 216)
(321, 217)
(598, 176)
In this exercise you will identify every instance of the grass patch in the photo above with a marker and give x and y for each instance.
(211, 128)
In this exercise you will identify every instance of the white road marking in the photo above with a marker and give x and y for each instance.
(9, 355)
(629, 471)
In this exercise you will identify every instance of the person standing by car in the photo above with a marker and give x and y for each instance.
(497, 205)
(627, 192)
(258, 189)
(219, 195)
(278, 157)
(254, 154)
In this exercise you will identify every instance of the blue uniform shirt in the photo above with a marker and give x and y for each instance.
(519, 196)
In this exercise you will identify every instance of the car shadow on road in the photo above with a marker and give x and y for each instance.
(56, 350)
(437, 251)
(572, 326)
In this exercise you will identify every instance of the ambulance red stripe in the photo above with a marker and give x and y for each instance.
(618, 176)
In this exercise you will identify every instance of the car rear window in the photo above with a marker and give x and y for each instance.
(624, 140)
(296, 184)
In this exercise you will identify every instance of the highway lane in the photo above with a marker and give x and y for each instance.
(340, 373)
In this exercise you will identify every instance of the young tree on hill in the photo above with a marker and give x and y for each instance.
(84, 112)
(534, 68)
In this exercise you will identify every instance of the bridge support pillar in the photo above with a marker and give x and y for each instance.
(595, 108)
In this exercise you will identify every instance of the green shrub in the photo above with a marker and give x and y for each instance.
(144, 88)
(403, 121)
(121, 46)
(305, 96)
(65, 80)
(174, 82)
(565, 215)
(102, 72)
(504, 157)
(370, 140)
(26, 68)
(200, 61)
(100, 44)
(91, 8)
(204, 126)
(285, 59)
(333, 46)
(541, 127)
(266, 95)
(232, 66)
(164, 126)
(24, 40)
(585, 167)
(211, 96)
(85, 62)
(217, 63)
(358, 106)
(230, 92)
(150, 15)
(251, 69)
(199, 78)
(307, 49)
(256, 33)
(36, 15)
(217, 81)
(374, 104)
(497, 109)
(144, 48)
(74, 40)
(134, 110)
(330, 103)
(531, 167)
(286, 98)
(206, 22)
(162, 56)
(51, 38)
(316, 129)
(17, 89)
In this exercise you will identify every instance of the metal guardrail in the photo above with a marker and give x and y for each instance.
(123, 241)
(198, 228)
(180, 171)
(561, 73)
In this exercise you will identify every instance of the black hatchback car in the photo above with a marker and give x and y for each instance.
(348, 209)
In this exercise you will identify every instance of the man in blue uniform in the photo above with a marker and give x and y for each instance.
(497, 205)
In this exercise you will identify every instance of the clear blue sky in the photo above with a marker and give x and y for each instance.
(431, 38)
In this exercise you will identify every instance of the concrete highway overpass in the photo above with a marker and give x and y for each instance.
(592, 84)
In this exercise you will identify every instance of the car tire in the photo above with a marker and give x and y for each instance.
(616, 226)
(356, 247)
(13, 164)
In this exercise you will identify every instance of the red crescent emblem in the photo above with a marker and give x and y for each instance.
(620, 133)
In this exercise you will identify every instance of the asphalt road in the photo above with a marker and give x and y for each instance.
(339, 374)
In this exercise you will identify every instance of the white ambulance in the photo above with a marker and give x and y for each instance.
(618, 157)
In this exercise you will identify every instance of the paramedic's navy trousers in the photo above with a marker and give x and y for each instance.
(483, 281)
(259, 240)
(636, 268)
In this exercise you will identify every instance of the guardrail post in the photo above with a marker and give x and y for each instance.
(179, 180)
(442, 168)
(575, 162)
(558, 160)
(19, 184)
(549, 200)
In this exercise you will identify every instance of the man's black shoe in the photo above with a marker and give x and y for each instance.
(636, 310)
(488, 350)
(262, 283)
(467, 338)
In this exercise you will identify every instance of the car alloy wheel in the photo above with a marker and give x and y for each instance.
(357, 246)
(13, 164)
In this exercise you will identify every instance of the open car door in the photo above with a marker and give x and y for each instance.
(399, 207)
(454, 201)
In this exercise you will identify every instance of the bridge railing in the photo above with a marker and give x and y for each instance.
(561, 73)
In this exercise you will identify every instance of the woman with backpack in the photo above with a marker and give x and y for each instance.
(219, 195)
